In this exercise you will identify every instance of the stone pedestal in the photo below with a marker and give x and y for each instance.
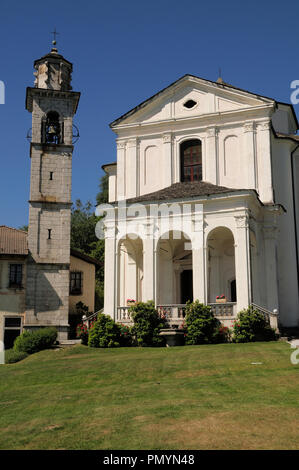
(173, 337)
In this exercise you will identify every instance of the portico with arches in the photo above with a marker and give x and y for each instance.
(212, 152)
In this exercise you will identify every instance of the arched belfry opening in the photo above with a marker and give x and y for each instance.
(191, 160)
(52, 129)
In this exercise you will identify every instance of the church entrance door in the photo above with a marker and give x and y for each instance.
(186, 286)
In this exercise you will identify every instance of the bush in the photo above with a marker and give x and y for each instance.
(105, 333)
(126, 338)
(250, 326)
(201, 325)
(33, 341)
(147, 324)
(82, 333)
(76, 317)
(12, 356)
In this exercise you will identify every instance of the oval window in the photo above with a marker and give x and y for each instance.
(190, 104)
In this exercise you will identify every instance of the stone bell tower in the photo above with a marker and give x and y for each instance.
(53, 105)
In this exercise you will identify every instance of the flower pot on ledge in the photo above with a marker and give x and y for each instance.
(221, 301)
(130, 303)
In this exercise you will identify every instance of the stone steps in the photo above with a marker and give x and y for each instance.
(69, 342)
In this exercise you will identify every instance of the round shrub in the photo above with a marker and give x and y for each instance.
(147, 324)
(31, 342)
(250, 326)
(201, 325)
(12, 356)
(126, 338)
(105, 333)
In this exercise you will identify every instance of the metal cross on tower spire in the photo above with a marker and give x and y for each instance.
(54, 35)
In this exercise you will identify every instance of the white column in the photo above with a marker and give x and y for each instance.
(121, 174)
(210, 163)
(167, 166)
(242, 260)
(198, 265)
(149, 261)
(110, 283)
(270, 237)
(249, 154)
(264, 162)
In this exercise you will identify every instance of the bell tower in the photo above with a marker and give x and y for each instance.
(53, 105)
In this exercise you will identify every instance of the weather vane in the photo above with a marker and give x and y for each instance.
(54, 35)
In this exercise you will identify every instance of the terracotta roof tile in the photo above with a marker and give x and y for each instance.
(183, 190)
(13, 241)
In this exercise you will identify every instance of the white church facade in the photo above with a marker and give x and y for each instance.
(226, 161)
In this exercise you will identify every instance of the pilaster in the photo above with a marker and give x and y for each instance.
(121, 168)
(264, 162)
(249, 153)
(242, 260)
(167, 167)
(210, 166)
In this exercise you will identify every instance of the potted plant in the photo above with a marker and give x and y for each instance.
(221, 299)
(130, 302)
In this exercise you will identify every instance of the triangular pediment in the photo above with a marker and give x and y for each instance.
(191, 96)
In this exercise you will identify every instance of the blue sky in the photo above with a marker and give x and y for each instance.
(123, 52)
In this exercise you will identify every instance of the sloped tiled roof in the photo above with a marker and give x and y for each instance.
(13, 241)
(183, 190)
(84, 257)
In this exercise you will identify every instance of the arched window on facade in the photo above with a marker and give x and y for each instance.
(191, 160)
(52, 129)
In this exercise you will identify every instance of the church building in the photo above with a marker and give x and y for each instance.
(222, 165)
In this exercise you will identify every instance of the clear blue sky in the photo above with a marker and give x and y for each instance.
(123, 52)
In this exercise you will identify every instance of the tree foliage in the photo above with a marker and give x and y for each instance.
(84, 239)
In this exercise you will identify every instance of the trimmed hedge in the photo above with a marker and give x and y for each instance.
(105, 333)
(147, 324)
(31, 342)
(201, 325)
(12, 356)
(251, 326)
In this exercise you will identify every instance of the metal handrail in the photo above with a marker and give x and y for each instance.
(92, 316)
(271, 317)
(265, 310)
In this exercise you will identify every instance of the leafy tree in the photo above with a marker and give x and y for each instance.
(83, 222)
(84, 239)
(102, 196)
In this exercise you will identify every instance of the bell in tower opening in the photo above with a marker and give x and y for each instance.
(52, 129)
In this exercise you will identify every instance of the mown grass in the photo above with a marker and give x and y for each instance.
(192, 397)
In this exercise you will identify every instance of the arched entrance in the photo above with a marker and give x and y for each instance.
(174, 269)
(221, 265)
(130, 269)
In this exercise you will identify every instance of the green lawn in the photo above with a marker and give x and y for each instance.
(192, 397)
